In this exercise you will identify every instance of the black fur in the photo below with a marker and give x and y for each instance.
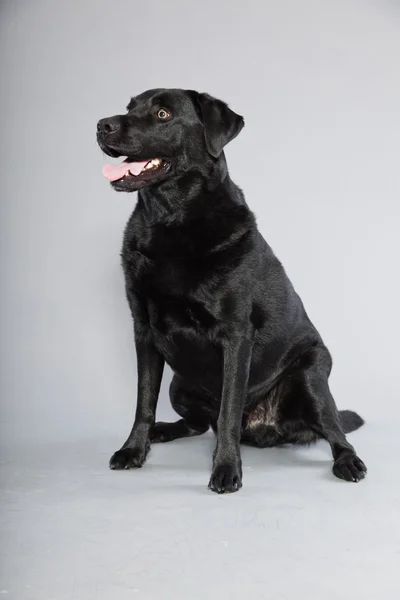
(209, 297)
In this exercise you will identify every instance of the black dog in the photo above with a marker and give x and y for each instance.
(209, 297)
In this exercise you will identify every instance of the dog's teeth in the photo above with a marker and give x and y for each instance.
(155, 162)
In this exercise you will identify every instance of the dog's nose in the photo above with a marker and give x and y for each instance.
(106, 126)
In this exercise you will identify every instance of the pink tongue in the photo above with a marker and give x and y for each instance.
(114, 172)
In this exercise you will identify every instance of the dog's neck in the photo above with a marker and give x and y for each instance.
(185, 193)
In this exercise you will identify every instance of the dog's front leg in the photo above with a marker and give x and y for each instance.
(227, 465)
(150, 366)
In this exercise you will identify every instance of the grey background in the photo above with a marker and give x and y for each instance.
(319, 85)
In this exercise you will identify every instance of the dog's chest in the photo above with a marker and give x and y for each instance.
(152, 277)
(182, 326)
(166, 286)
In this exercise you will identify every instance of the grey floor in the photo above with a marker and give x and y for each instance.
(72, 529)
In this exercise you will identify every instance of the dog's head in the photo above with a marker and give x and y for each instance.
(165, 133)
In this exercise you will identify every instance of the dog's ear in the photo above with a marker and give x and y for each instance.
(221, 124)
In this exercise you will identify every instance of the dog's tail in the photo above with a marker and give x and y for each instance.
(350, 421)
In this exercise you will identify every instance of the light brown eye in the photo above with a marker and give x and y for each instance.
(163, 114)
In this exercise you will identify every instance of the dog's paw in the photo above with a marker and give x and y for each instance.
(226, 478)
(128, 458)
(349, 468)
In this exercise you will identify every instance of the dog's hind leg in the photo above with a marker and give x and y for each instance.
(347, 465)
(300, 410)
(198, 412)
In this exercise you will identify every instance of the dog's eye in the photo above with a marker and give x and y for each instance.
(163, 114)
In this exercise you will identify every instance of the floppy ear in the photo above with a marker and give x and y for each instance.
(221, 124)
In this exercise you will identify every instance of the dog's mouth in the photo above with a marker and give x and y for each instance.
(136, 171)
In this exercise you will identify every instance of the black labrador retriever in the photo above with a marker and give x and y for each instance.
(209, 297)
